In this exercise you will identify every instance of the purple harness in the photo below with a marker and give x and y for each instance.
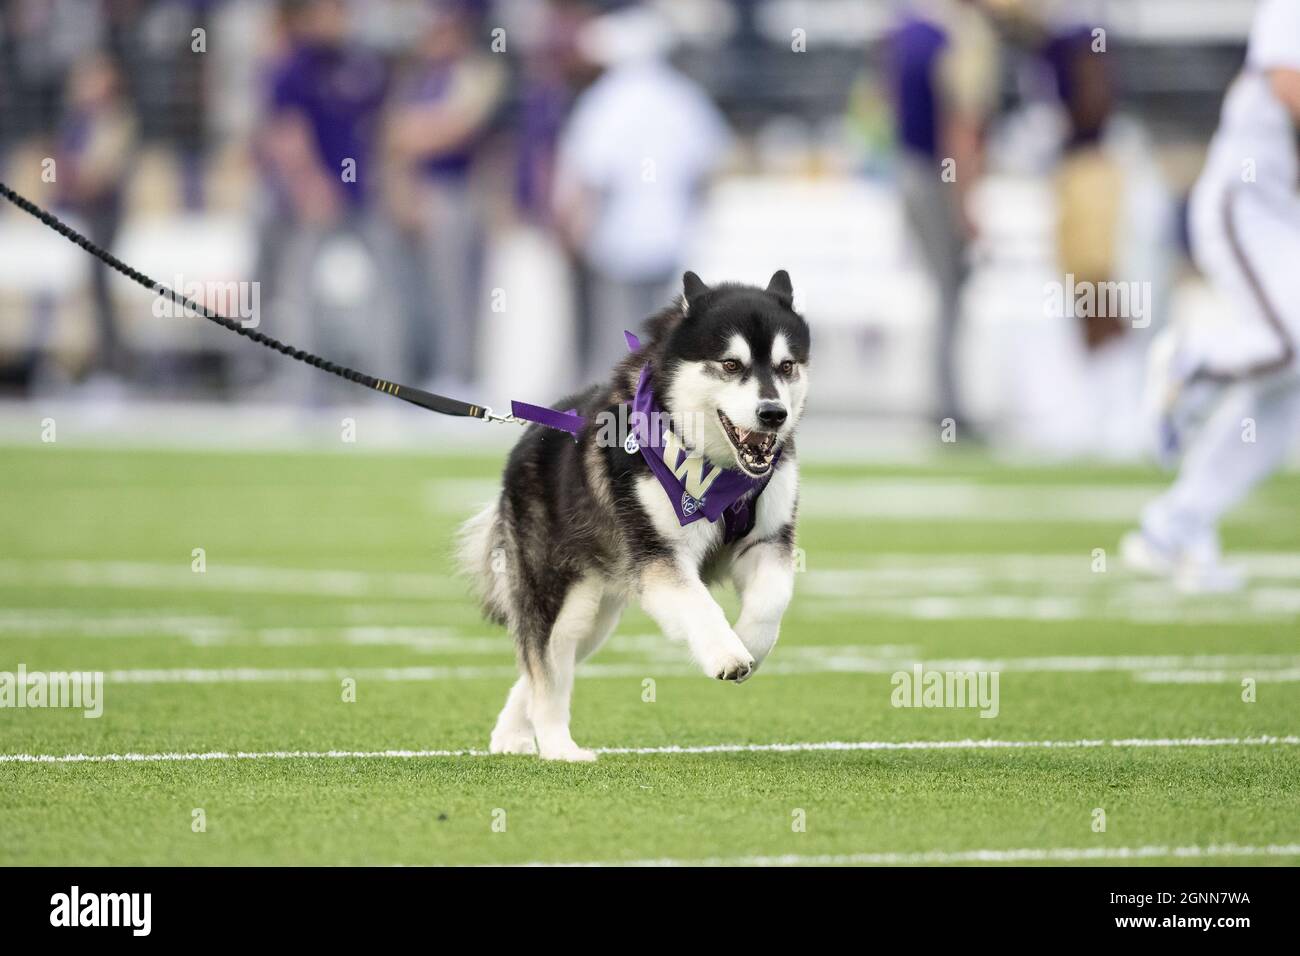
(696, 488)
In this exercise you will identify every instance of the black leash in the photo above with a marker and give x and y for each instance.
(416, 396)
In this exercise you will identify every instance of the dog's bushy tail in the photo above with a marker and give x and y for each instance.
(481, 558)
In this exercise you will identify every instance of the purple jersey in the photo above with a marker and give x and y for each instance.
(434, 85)
(1061, 52)
(543, 107)
(338, 92)
(915, 47)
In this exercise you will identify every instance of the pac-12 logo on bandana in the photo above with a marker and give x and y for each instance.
(689, 504)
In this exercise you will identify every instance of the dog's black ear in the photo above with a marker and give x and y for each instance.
(693, 286)
(779, 286)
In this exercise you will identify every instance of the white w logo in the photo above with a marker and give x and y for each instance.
(691, 470)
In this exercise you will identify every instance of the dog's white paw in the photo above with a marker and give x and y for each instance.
(753, 669)
(569, 753)
(730, 663)
(518, 742)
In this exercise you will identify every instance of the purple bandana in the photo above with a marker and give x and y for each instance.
(696, 488)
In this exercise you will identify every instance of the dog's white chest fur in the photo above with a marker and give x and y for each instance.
(691, 541)
(777, 503)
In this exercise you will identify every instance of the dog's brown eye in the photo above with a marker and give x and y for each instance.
(730, 365)
(787, 367)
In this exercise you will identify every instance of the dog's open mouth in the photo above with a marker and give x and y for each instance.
(754, 449)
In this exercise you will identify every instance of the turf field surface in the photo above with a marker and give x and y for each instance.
(1120, 702)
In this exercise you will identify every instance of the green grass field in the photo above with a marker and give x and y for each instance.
(321, 568)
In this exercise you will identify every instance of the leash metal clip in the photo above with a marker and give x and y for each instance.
(491, 416)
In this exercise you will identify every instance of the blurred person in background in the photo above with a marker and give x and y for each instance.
(325, 106)
(1234, 385)
(1110, 220)
(95, 141)
(40, 41)
(440, 112)
(1089, 183)
(553, 73)
(944, 61)
(632, 165)
(324, 110)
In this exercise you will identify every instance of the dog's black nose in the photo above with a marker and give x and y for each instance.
(771, 414)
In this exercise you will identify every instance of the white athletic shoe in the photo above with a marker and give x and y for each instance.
(1172, 401)
(1139, 553)
(1196, 570)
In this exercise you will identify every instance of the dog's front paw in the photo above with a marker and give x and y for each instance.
(758, 644)
(734, 664)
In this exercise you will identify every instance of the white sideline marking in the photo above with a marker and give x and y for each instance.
(227, 577)
(1016, 586)
(973, 569)
(110, 624)
(908, 499)
(244, 675)
(970, 571)
(1018, 855)
(224, 631)
(1284, 676)
(917, 498)
(826, 660)
(1124, 603)
(828, 745)
(424, 640)
(931, 499)
(844, 659)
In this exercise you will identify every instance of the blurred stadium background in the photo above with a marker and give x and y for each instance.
(500, 231)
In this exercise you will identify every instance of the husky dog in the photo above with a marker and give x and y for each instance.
(683, 471)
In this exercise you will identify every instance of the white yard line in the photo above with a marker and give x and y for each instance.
(1049, 609)
(295, 675)
(226, 577)
(1270, 666)
(1017, 855)
(916, 587)
(108, 624)
(872, 573)
(826, 660)
(922, 498)
(422, 640)
(43, 623)
(913, 498)
(1283, 676)
(918, 498)
(1046, 587)
(829, 745)
(973, 568)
